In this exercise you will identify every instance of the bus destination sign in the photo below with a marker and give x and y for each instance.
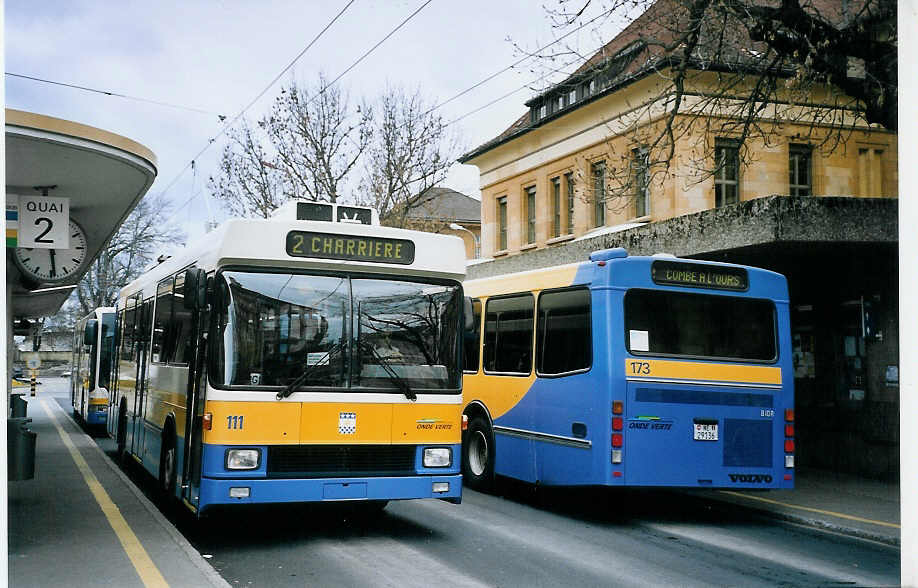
(350, 247)
(696, 275)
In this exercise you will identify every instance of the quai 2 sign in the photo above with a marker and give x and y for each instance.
(43, 222)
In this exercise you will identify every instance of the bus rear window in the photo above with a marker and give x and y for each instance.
(699, 325)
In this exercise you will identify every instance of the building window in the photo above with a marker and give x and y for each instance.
(599, 193)
(502, 223)
(726, 174)
(556, 206)
(561, 102)
(870, 176)
(569, 181)
(641, 166)
(543, 111)
(801, 182)
(530, 193)
(592, 87)
(572, 96)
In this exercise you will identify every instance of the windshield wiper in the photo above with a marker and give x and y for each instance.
(323, 361)
(399, 381)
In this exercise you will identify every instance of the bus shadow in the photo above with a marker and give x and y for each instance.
(295, 524)
(624, 506)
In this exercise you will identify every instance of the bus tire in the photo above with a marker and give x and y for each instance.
(478, 454)
(167, 465)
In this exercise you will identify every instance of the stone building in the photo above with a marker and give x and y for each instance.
(574, 174)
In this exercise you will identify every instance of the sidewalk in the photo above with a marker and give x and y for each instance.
(81, 522)
(845, 504)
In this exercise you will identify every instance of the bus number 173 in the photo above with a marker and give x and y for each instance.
(640, 367)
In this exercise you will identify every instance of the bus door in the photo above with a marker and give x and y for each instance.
(143, 330)
(195, 395)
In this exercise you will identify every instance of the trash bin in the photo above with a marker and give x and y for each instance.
(20, 446)
(18, 405)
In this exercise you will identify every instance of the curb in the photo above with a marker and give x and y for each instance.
(823, 524)
(194, 556)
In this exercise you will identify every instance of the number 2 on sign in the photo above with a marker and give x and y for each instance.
(640, 367)
(234, 422)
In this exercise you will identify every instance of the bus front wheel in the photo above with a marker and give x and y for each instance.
(478, 454)
(122, 433)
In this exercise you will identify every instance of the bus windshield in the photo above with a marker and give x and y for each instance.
(340, 331)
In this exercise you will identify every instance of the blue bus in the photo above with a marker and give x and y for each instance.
(630, 371)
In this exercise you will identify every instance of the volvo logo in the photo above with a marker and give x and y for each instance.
(751, 478)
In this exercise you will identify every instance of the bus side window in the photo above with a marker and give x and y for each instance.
(472, 341)
(508, 334)
(564, 334)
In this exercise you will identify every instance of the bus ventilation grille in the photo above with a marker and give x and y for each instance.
(315, 461)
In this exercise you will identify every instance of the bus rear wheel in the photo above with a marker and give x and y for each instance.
(167, 467)
(478, 454)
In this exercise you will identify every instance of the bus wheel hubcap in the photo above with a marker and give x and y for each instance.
(478, 453)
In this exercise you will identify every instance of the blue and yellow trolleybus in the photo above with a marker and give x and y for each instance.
(631, 371)
(91, 366)
(296, 360)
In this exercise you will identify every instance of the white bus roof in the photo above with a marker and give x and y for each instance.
(263, 243)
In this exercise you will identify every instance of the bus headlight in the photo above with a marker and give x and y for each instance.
(437, 457)
(242, 459)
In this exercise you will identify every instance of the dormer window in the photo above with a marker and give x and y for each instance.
(572, 96)
(560, 102)
(592, 87)
(543, 111)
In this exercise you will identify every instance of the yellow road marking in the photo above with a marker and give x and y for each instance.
(146, 569)
(816, 510)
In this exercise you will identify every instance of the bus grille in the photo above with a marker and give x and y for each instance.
(316, 461)
(747, 443)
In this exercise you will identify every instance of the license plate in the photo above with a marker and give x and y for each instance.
(705, 432)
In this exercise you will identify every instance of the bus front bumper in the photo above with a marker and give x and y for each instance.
(262, 491)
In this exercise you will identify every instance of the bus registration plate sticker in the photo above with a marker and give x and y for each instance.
(705, 432)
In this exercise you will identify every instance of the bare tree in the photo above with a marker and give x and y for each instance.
(744, 69)
(250, 181)
(131, 249)
(305, 148)
(412, 151)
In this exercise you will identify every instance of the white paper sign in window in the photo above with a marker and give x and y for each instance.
(640, 341)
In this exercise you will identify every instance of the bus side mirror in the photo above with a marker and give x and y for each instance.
(467, 315)
(195, 288)
(90, 331)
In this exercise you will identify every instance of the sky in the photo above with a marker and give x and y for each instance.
(216, 56)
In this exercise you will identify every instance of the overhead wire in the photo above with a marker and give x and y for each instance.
(114, 94)
(242, 112)
(319, 93)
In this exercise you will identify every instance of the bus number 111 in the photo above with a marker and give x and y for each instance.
(234, 422)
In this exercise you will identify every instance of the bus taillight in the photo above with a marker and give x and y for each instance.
(207, 421)
(618, 407)
(617, 423)
(616, 439)
(788, 439)
(465, 422)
